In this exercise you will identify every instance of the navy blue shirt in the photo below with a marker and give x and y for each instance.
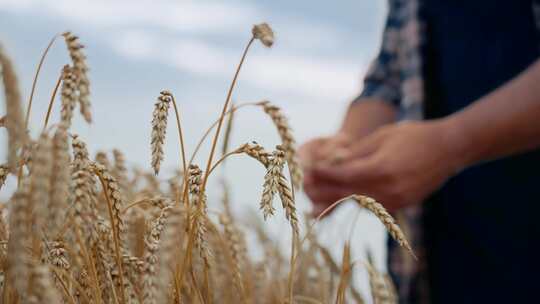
(481, 229)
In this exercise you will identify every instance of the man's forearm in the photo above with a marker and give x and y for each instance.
(502, 123)
(364, 116)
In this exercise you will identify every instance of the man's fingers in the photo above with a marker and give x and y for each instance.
(362, 148)
(307, 152)
(326, 152)
(358, 171)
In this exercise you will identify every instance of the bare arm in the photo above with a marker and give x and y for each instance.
(505, 122)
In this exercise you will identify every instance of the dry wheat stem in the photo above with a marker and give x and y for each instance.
(345, 273)
(182, 147)
(53, 97)
(34, 82)
(222, 116)
(228, 131)
(209, 129)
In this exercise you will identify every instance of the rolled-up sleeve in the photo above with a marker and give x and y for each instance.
(383, 79)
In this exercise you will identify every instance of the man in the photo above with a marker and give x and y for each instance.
(465, 167)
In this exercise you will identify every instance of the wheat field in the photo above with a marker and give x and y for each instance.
(83, 230)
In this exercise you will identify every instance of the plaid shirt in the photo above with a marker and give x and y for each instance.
(395, 77)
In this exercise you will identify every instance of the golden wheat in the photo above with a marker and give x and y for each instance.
(83, 232)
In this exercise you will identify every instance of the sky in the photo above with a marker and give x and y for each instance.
(136, 49)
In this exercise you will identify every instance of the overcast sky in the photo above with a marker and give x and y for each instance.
(137, 48)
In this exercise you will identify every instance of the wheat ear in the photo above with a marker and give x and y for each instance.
(151, 255)
(235, 248)
(68, 95)
(380, 292)
(20, 222)
(40, 179)
(285, 193)
(80, 69)
(14, 120)
(59, 180)
(385, 217)
(159, 129)
(264, 33)
(170, 241)
(288, 141)
(199, 216)
(271, 186)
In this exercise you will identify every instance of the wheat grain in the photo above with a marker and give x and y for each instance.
(80, 154)
(264, 33)
(102, 159)
(159, 129)
(57, 255)
(14, 120)
(4, 172)
(80, 70)
(385, 218)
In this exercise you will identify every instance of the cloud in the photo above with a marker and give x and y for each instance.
(186, 16)
(308, 76)
(138, 30)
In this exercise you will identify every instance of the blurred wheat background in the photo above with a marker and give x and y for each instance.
(137, 48)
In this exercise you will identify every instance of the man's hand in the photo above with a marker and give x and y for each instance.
(398, 164)
(315, 153)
